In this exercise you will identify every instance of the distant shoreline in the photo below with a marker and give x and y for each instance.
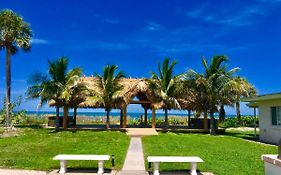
(114, 114)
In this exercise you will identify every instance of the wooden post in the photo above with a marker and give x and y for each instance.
(255, 126)
(189, 115)
(121, 118)
(145, 116)
(125, 118)
(205, 120)
(74, 116)
(153, 118)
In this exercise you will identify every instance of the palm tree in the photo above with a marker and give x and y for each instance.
(15, 34)
(61, 87)
(165, 86)
(73, 92)
(210, 84)
(108, 83)
(239, 87)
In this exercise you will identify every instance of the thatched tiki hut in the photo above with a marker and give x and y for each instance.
(132, 89)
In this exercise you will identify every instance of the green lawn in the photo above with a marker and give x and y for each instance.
(35, 148)
(223, 155)
(227, 154)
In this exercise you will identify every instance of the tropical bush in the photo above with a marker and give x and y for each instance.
(246, 121)
(20, 117)
(16, 117)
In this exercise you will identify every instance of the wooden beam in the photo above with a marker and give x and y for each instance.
(140, 102)
(153, 118)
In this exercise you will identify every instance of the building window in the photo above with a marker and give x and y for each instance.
(276, 115)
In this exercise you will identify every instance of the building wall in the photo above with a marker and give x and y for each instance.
(268, 132)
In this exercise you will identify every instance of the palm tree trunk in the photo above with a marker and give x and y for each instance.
(205, 120)
(107, 119)
(57, 118)
(65, 116)
(145, 116)
(238, 113)
(212, 124)
(222, 113)
(166, 118)
(8, 85)
(121, 118)
(74, 116)
(189, 116)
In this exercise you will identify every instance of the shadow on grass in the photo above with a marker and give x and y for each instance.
(81, 171)
(246, 136)
(33, 126)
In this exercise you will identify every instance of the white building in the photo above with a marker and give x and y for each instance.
(269, 116)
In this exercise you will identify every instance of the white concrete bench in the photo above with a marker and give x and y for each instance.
(64, 157)
(157, 159)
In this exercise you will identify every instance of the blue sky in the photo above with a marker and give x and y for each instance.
(137, 35)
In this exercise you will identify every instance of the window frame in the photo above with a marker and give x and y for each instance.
(276, 110)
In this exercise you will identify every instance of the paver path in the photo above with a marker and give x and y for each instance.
(134, 162)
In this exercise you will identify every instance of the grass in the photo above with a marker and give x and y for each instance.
(229, 154)
(35, 148)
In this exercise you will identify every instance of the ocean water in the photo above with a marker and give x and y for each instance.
(134, 115)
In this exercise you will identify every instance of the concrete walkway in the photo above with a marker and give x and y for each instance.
(139, 132)
(134, 162)
(21, 172)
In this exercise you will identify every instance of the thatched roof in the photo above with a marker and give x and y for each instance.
(131, 88)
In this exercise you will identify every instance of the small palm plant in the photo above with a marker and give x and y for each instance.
(15, 34)
(165, 86)
(109, 86)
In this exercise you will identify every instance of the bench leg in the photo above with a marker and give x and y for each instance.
(156, 168)
(193, 168)
(62, 166)
(100, 165)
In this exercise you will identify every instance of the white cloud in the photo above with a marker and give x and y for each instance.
(241, 16)
(153, 26)
(39, 41)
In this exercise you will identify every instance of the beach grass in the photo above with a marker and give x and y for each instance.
(34, 148)
(229, 154)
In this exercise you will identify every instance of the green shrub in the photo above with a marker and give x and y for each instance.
(34, 120)
(177, 120)
(246, 121)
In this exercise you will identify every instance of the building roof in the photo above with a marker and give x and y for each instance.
(265, 97)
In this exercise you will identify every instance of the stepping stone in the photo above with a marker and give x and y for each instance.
(139, 132)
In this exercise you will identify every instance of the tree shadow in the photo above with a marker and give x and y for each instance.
(246, 136)
(33, 126)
